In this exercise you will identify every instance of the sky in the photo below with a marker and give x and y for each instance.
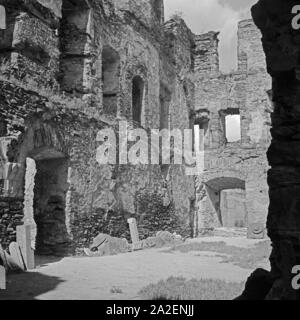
(216, 15)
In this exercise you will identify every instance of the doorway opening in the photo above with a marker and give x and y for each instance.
(45, 205)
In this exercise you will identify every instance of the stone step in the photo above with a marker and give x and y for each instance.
(230, 232)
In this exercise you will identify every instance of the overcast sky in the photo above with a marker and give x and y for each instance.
(217, 15)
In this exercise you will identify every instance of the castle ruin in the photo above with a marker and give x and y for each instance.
(71, 68)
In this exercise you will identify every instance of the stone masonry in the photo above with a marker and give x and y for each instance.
(68, 70)
(233, 191)
(72, 68)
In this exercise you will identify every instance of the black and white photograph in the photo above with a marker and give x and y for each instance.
(149, 153)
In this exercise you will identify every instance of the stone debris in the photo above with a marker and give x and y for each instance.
(16, 255)
(12, 263)
(256, 231)
(104, 245)
(25, 244)
(133, 230)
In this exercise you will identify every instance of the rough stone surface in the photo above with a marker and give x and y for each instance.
(228, 165)
(66, 73)
(70, 70)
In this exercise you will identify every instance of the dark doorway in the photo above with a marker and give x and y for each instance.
(50, 207)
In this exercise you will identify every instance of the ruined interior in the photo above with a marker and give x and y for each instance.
(69, 70)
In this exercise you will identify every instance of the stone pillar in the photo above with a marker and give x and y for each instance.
(2, 278)
(133, 230)
(29, 198)
(24, 242)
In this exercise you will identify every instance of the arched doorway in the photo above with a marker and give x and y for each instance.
(227, 198)
(46, 186)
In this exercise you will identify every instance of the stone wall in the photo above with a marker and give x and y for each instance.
(58, 130)
(11, 216)
(228, 165)
(206, 53)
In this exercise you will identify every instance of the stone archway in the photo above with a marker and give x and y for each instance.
(50, 207)
(227, 196)
(46, 187)
(221, 201)
(44, 164)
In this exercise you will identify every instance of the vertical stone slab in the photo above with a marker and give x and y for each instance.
(133, 230)
(15, 260)
(2, 18)
(28, 198)
(24, 241)
(2, 278)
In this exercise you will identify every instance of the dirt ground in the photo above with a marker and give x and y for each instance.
(122, 276)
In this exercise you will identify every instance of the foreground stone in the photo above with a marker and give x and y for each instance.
(281, 45)
(2, 278)
(104, 245)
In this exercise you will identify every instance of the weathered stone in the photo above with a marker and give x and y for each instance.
(240, 165)
(24, 242)
(2, 278)
(93, 50)
(106, 245)
(134, 234)
(16, 256)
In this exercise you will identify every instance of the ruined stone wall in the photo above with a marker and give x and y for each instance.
(37, 121)
(228, 165)
(206, 53)
(11, 216)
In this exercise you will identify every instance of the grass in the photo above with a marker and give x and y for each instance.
(247, 258)
(182, 289)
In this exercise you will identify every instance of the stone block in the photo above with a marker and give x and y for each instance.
(24, 242)
(2, 278)
(16, 258)
(133, 230)
(256, 231)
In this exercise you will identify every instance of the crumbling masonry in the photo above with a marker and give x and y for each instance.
(233, 191)
(70, 68)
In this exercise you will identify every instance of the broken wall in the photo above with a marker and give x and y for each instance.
(41, 123)
(245, 93)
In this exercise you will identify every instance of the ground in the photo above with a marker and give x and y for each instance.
(124, 276)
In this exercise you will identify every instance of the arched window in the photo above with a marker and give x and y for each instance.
(2, 18)
(164, 100)
(110, 78)
(137, 98)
